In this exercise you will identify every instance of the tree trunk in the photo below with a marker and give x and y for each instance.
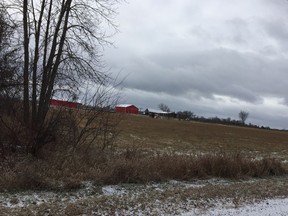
(26, 110)
(35, 63)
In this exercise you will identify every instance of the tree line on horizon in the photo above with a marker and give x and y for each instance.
(190, 116)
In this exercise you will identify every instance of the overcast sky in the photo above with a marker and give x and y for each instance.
(211, 57)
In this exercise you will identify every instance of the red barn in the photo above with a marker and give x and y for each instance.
(127, 108)
(61, 103)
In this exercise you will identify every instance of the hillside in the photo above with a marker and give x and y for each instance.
(145, 132)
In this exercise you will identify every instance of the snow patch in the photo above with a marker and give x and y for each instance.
(112, 190)
(267, 207)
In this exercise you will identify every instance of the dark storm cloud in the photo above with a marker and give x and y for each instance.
(244, 76)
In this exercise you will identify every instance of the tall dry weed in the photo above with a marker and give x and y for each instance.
(108, 167)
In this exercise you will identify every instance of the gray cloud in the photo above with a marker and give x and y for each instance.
(244, 76)
(215, 57)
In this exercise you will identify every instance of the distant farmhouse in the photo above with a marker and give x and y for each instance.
(60, 103)
(127, 108)
(154, 113)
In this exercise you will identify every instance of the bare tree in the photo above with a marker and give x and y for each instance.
(243, 115)
(9, 79)
(61, 45)
(186, 115)
(6, 68)
(164, 107)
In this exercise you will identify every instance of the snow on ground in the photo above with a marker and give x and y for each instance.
(270, 207)
(153, 201)
(112, 190)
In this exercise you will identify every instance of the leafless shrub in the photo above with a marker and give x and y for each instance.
(86, 131)
(90, 130)
(17, 138)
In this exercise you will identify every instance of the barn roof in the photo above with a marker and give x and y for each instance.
(66, 101)
(124, 105)
(157, 111)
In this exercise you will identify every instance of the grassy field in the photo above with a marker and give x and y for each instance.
(193, 137)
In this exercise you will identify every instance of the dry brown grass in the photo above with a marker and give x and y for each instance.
(186, 167)
(150, 133)
(126, 167)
